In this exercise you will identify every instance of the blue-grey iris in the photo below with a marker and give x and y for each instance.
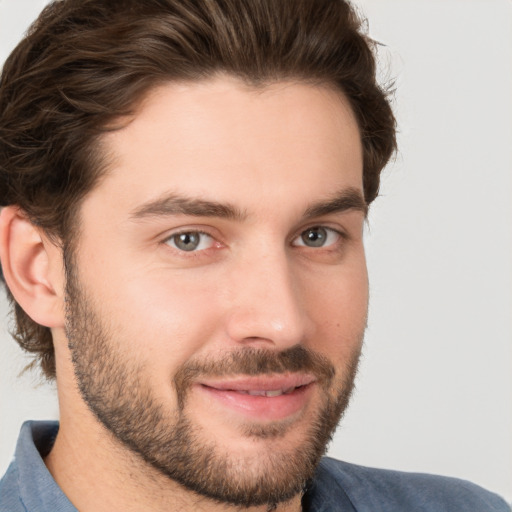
(314, 237)
(187, 241)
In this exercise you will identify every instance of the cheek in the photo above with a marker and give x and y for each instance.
(159, 320)
(338, 305)
(178, 319)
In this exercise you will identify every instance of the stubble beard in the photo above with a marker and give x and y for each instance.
(118, 392)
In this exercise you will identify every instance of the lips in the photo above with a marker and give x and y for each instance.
(261, 382)
(265, 398)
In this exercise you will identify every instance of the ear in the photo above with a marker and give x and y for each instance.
(33, 268)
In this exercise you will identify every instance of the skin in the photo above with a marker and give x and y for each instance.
(271, 153)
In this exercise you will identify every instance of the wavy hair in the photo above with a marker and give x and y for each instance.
(85, 63)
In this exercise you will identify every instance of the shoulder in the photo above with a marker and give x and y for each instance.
(370, 489)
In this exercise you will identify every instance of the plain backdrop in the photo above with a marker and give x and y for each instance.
(434, 393)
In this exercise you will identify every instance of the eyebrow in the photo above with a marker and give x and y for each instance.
(171, 204)
(348, 199)
(179, 205)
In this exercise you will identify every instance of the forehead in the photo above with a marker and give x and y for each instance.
(221, 139)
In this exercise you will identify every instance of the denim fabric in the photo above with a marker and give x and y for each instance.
(338, 486)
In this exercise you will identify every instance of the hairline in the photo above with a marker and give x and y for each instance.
(104, 159)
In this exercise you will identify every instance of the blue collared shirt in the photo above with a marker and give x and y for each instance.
(28, 485)
(337, 487)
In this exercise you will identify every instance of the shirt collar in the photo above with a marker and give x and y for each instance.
(38, 490)
(325, 493)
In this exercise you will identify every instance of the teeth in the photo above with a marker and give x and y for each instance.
(271, 393)
(277, 392)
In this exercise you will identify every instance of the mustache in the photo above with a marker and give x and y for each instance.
(251, 361)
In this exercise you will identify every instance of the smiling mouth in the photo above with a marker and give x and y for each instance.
(262, 385)
(266, 393)
(262, 398)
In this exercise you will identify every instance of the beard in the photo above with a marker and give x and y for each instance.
(117, 389)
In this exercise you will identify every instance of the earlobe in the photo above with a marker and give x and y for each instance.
(31, 265)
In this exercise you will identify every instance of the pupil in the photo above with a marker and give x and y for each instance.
(187, 241)
(314, 237)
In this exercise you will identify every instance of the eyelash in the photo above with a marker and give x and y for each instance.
(195, 252)
(330, 231)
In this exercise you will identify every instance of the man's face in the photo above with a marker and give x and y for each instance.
(218, 296)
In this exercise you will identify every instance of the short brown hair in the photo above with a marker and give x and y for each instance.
(84, 63)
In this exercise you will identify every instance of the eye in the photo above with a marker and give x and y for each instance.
(317, 236)
(190, 241)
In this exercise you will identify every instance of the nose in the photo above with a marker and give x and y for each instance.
(267, 303)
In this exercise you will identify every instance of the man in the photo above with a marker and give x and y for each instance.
(184, 185)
